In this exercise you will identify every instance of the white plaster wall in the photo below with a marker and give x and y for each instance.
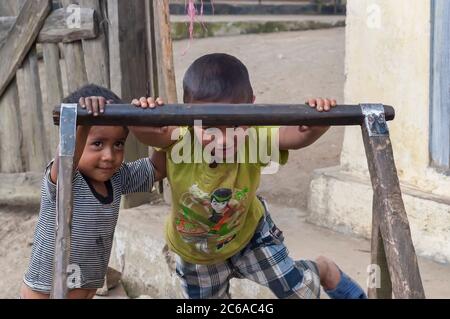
(388, 61)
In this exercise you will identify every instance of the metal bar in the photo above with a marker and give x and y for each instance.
(389, 212)
(64, 200)
(224, 114)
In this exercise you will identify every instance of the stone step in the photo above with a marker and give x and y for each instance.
(148, 268)
(265, 7)
(222, 25)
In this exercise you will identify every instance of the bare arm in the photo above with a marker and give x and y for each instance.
(154, 136)
(159, 162)
(296, 137)
(160, 137)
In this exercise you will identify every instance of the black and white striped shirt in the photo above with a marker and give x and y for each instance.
(93, 223)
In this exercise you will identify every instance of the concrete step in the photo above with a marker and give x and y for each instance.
(148, 268)
(265, 7)
(222, 25)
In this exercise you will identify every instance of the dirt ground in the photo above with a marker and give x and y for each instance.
(284, 68)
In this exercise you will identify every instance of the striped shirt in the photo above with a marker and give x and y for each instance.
(93, 223)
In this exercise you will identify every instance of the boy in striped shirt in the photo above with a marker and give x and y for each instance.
(100, 179)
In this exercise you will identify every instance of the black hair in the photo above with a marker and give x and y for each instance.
(92, 90)
(217, 77)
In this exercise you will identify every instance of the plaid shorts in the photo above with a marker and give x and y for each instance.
(265, 260)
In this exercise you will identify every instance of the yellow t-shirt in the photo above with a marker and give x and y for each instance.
(215, 210)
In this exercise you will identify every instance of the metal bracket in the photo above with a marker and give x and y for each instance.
(374, 119)
(68, 129)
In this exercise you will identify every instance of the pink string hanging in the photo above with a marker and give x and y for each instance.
(191, 11)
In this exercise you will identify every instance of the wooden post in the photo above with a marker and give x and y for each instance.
(391, 221)
(128, 68)
(64, 203)
(164, 53)
(54, 92)
(162, 63)
(96, 55)
(34, 145)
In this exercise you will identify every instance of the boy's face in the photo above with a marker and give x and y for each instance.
(225, 138)
(103, 153)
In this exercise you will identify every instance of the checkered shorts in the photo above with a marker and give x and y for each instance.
(265, 260)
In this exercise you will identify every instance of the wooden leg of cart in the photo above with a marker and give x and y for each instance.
(68, 120)
(392, 248)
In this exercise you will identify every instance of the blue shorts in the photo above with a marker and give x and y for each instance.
(265, 260)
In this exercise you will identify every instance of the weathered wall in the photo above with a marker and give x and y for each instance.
(388, 61)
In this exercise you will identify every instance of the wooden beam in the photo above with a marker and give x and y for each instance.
(225, 114)
(393, 221)
(164, 53)
(56, 28)
(21, 38)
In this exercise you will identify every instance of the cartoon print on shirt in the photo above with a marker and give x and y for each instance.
(210, 221)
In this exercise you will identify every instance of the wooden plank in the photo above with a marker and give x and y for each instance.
(56, 28)
(54, 93)
(128, 67)
(34, 146)
(74, 60)
(75, 69)
(21, 38)
(10, 131)
(394, 227)
(10, 7)
(6, 23)
(96, 54)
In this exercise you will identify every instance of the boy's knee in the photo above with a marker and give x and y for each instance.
(328, 272)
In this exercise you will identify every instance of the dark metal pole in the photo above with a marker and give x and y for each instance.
(224, 114)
